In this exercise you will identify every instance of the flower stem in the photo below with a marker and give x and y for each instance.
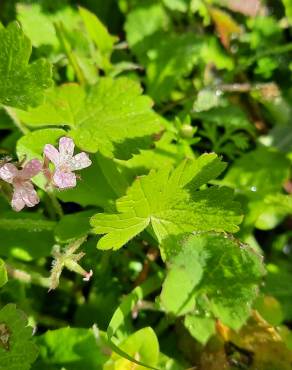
(55, 204)
(23, 129)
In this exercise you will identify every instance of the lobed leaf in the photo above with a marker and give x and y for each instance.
(17, 351)
(108, 113)
(213, 273)
(22, 84)
(171, 203)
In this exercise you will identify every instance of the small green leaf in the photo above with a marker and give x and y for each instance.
(177, 5)
(282, 203)
(37, 25)
(171, 203)
(73, 226)
(124, 310)
(3, 273)
(288, 9)
(99, 35)
(143, 345)
(200, 327)
(259, 176)
(72, 348)
(143, 22)
(277, 284)
(220, 276)
(17, 351)
(22, 84)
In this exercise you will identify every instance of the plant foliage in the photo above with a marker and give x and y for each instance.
(145, 185)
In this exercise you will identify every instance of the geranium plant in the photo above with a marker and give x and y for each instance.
(145, 185)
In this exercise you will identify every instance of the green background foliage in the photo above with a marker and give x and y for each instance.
(184, 216)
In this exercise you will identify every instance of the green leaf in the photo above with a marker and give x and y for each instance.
(258, 175)
(143, 22)
(200, 327)
(179, 5)
(97, 32)
(108, 113)
(288, 9)
(22, 84)
(169, 363)
(236, 133)
(72, 348)
(37, 25)
(17, 351)
(279, 274)
(281, 203)
(143, 345)
(73, 226)
(32, 225)
(206, 100)
(124, 310)
(213, 273)
(3, 273)
(172, 58)
(26, 235)
(162, 199)
(167, 56)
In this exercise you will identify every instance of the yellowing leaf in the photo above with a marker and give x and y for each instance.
(225, 25)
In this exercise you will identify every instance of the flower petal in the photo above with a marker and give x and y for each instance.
(31, 169)
(88, 275)
(17, 202)
(66, 147)
(64, 180)
(8, 172)
(29, 195)
(24, 194)
(52, 153)
(80, 161)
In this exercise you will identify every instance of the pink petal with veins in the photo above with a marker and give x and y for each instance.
(31, 169)
(8, 172)
(52, 153)
(24, 195)
(66, 147)
(17, 202)
(64, 179)
(29, 195)
(80, 161)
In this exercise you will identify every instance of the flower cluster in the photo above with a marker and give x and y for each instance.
(62, 177)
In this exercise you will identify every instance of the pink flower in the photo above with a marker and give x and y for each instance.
(65, 163)
(24, 193)
(88, 275)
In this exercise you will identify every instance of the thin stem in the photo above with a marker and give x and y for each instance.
(23, 129)
(56, 205)
(20, 273)
(69, 53)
